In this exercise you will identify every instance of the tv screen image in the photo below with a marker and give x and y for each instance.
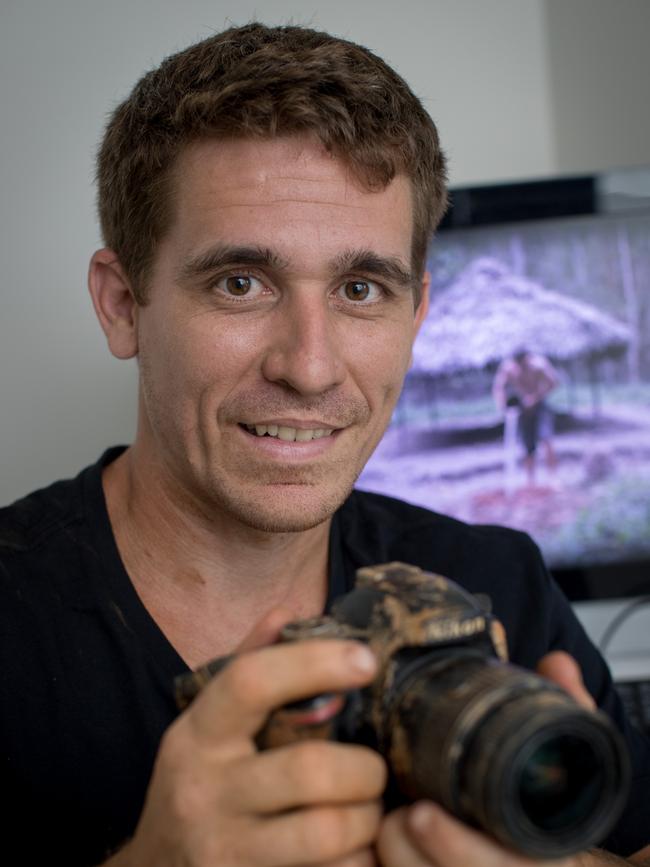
(528, 401)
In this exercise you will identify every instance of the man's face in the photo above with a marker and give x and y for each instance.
(278, 330)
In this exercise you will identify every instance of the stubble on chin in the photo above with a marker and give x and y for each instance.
(284, 518)
(288, 502)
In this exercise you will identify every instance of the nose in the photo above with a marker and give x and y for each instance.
(304, 353)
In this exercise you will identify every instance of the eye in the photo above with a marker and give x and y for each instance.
(359, 291)
(240, 285)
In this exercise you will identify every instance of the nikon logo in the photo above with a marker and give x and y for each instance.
(456, 629)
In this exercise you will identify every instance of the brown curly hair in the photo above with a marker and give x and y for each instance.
(258, 82)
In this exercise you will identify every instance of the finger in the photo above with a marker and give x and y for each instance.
(236, 703)
(267, 630)
(395, 845)
(361, 858)
(446, 842)
(563, 670)
(308, 773)
(313, 835)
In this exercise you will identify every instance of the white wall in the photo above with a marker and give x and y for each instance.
(489, 72)
(599, 75)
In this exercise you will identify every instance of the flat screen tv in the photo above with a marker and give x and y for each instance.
(528, 401)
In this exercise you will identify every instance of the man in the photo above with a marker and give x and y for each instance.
(266, 198)
(523, 382)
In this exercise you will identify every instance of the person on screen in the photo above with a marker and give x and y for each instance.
(266, 198)
(523, 382)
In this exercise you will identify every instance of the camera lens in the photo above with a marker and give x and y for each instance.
(505, 750)
(560, 783)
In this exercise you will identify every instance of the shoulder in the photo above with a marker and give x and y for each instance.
(40, 517)
(394, 524)
(541, 364)
(31, 520)
(502, 563)
(52, 572)
(39, 557)
(44, 535)
(39, 552)
(481, 557)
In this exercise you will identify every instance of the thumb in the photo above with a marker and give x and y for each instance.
(563, 670)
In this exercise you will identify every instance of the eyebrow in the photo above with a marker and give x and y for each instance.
(387, 267)
(223, 255)
(366, 261)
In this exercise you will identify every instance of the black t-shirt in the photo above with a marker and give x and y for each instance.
(87, 676)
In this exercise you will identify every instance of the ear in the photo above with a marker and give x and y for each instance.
(421, 310)
(423, 307)
(114, 302)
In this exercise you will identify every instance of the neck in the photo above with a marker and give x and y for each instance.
(204, 578)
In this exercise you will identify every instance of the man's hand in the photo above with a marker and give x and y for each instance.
(425, 835)
(214, 800)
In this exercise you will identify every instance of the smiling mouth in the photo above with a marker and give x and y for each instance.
(287, 434)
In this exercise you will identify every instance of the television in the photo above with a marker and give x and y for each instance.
(528, 400)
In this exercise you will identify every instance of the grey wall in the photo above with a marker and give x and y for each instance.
(599, 73)
(500, 78)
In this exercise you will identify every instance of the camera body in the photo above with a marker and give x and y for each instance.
(498, 746)
(411, 620)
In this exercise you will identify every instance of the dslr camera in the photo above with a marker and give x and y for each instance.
(498, 746)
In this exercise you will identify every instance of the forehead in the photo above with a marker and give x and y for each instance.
(283, 192)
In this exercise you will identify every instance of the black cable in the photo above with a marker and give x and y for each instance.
(619, 618)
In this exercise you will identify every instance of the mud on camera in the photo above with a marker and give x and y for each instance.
(498, 746)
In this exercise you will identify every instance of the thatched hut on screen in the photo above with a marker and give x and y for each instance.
(489, 314)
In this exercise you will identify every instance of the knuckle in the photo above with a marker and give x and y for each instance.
(335, 832)
(242, 679)
(390, 828)
(188, 782)
(174, 746)
(395, 844)
(341, 772)
(185, 803)
(228, 848)
(311, 765)
(327, 833)
(361, 858)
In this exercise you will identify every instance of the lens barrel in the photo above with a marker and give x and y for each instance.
(505, 750)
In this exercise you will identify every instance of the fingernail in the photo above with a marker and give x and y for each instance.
(362, 659)
(421, 816)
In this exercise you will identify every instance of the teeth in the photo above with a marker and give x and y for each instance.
(288, 434)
